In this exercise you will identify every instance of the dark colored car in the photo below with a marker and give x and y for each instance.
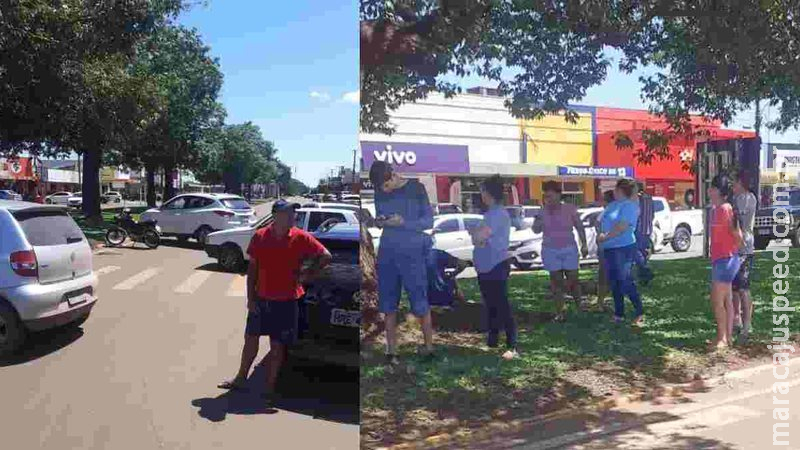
(766, 225)
(331, 309)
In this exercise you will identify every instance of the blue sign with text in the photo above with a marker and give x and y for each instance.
(595, 171)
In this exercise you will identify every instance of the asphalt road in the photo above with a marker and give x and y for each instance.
(142, 371)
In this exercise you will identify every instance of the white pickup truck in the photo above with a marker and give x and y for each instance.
(678, 226)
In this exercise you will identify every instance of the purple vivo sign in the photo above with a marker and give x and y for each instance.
(417, 158)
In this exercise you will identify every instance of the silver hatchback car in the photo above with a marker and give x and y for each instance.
(46, 276)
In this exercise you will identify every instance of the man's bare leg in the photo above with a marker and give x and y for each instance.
(557, 288)
(391, 333)
(249, 352)
(275, 359)
(746, 310)
(737, 309)
(427, 330)
(573, 285)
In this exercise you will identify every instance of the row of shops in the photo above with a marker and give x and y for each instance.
(451, 145)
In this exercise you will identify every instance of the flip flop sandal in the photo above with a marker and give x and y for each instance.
(232, 385)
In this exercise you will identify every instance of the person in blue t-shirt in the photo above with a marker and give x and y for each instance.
(618, 243)
(491, 261)
(404, 212)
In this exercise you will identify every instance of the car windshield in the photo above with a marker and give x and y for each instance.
(794, 198)
(235, 203)
(48, 228)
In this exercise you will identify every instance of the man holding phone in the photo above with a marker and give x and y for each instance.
(404, 212)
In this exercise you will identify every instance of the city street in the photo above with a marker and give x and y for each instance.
(142, 371)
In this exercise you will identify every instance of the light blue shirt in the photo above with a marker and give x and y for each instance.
(495, 250)
(627, 210)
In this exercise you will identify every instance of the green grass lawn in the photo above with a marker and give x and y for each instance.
(468, 385)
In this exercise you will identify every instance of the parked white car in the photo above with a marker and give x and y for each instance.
(451, 234)
(111, 197)
(58, 198)
(76, 200)
(198, 215)
(46, 276)
(679, 226)
(527, 214)
(229, 247)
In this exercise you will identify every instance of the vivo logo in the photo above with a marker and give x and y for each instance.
(392, 157)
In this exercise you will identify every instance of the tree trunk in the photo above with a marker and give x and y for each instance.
(150, 180)
(91, 185)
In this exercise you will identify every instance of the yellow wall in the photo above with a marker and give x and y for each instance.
(554, 141)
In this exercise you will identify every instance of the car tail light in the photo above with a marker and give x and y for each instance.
(224, 213)
(24, 263)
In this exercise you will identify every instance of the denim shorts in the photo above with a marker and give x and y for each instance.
(277, 319)
(724, 270)
(558, 259)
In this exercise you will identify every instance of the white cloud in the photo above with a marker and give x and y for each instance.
(351, 97)
(322, 96)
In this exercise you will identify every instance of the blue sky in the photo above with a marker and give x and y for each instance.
(291, 68)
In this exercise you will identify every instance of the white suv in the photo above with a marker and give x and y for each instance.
(229, 247)
(198, 215)
(46, 276)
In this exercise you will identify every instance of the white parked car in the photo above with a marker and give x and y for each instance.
(111, 197)
(451, 234)
(58, 198)
(198, 215)
(526, 214)
(229, 247)
(679, 226)
(46, 276)
(76, 200)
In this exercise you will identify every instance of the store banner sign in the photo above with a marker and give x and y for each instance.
(417, 158)
(787, 160)
(595, 171)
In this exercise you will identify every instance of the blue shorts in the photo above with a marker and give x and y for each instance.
(405, 269)
(559, 259)
(724, 270)
(277, 319)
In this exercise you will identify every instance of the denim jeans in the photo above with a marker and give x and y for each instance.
(494, 290)
(642, 247)
(619, 264)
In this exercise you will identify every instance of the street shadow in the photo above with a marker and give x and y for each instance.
(215, 267)
(600, 430)
(43, 343)
(322, 392)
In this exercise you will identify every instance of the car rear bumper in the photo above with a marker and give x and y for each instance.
(62, 318)
(41, 303)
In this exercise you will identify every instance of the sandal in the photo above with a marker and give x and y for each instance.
(617, 319)
(232, 385)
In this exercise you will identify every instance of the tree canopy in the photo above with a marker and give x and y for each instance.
(709, 58)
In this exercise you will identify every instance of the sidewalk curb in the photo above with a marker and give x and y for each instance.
(622, 400)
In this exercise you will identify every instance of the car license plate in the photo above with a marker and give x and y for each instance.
(345, 318)
(75, 301)
(764, 232)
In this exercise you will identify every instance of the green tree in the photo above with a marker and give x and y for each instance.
(60, 66)
(709, 57)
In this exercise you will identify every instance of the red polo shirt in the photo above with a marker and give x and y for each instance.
(279, 261)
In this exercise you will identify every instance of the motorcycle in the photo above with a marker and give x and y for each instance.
(147, 232)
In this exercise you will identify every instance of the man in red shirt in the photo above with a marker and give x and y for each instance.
(282, 258)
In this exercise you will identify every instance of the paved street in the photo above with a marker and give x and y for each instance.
(732, 412)
(142, 372)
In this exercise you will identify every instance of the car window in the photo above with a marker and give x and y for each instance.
(317, 219)
(47, 228)
(300, 219)
(658, 206)
(448, 226)
(235, 203)
(591, 219)
(177, 203)
(197, 202)
(471, 222)
(532, 213)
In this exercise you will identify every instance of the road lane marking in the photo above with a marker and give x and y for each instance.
(107, 269)
(194, 281)
(137, 279)
(238, 287)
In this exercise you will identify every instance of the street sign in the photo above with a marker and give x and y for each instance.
(595, 171)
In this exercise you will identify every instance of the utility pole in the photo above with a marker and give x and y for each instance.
(353, 174)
